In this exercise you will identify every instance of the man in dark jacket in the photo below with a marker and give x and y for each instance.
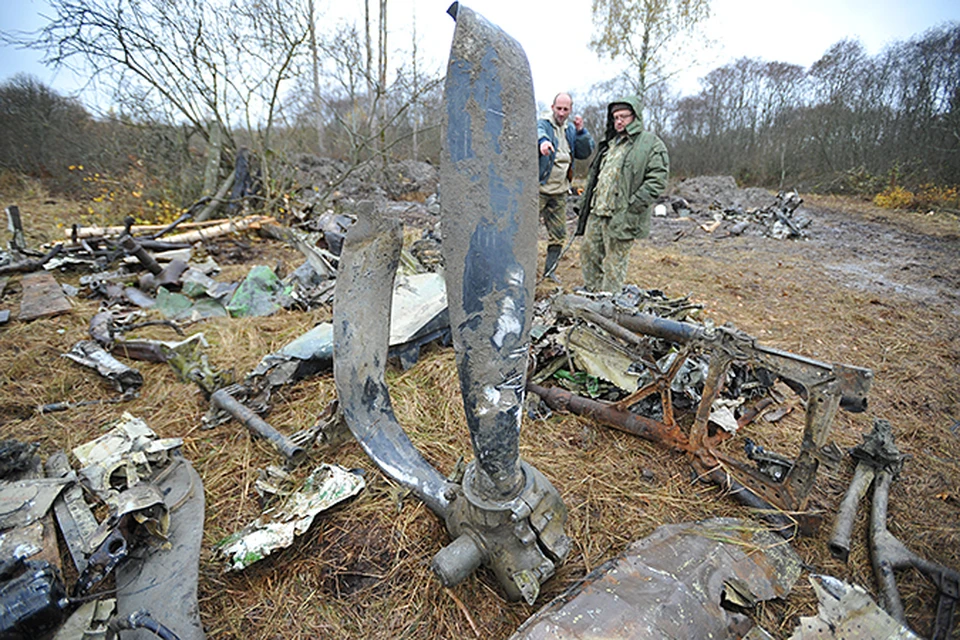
(626, 177)
(560, 142)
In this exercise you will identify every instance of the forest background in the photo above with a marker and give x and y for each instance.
(191, 83)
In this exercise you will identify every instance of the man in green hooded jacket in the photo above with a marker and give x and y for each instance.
(627, 175)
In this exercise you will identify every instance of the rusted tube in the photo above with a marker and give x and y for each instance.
(562, 400)
(645, 323)
(131, 246)
(784, 525)
(223, 400)
(751, 414)
(839, 543)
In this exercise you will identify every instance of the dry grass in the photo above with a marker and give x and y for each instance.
(362, 571)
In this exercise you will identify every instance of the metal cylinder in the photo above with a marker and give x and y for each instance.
(131, 246)
(839, 543)
(223, 400)
(645, 323)
(455, 562)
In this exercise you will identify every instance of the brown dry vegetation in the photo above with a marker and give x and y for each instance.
(362, 571)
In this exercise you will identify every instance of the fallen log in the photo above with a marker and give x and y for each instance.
(230, 226)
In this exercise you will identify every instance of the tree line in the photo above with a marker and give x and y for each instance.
(849, 122)
(193, 83)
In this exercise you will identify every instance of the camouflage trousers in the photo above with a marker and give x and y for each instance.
(603, 259)
(553, 212)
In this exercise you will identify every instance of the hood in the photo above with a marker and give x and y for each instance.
(634, 127)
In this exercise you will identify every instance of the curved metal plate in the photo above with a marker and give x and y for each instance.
(361, 329)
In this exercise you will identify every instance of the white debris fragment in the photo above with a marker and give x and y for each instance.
(276, 528)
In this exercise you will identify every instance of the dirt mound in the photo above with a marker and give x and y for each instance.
(407, 180)
(720, 192)
(411, 180)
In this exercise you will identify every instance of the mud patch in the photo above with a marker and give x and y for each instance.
(860, 251)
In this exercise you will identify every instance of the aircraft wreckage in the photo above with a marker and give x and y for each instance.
(501, 512)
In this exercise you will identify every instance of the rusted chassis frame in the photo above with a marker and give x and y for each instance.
(825, 387)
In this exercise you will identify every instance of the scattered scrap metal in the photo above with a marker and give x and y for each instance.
(686, 580)
(781, 219)
(879, 462)
(846, 611)
(637, 361)
(278, 526)
(150, 537)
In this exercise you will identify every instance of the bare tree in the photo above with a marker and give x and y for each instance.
(198, 62)
(315, 69)
(640, 31)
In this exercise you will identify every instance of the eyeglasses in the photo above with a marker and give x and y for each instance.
(620, 118)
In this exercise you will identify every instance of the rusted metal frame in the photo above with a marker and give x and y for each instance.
(662, 380)
(744, 483)
(726, 346)
(710, 466)
(562, 400)
(704, 455)
(825, 387)
(661, 384)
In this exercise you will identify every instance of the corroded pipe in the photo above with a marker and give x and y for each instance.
(223, 400)
(134, 248)
(645, 323)
(563, 400)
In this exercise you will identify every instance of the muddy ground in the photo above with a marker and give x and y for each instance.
(867, 287)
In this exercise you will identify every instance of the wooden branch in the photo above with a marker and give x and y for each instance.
(100, 232)
(218, 199)
(230, 226)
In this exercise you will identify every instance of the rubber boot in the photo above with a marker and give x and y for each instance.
(550, 266)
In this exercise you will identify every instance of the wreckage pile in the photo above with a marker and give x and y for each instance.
(567, 352)
(176, 522)
(721, 208)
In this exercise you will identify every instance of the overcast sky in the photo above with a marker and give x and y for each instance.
(555, 34)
